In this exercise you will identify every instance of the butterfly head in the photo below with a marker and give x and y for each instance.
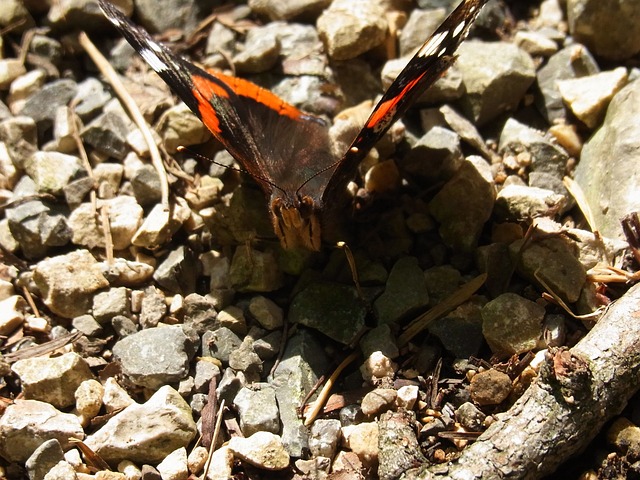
(297, 224)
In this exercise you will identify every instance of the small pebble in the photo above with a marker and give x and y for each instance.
(262, 450)
(407, 396)
(377, 366)
(266, 312)
(89, 399)
(490, 387)
(174, 465)
(362, 439)
(197, 459)
(378, 401)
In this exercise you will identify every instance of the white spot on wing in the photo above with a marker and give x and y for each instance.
(153, 60)
(459, 28)
(432, 45)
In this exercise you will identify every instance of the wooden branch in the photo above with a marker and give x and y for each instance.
(577, 392)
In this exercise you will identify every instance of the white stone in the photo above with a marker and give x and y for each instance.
(11, 314)
(407, 396)
(377, 366)
(115, 397)
(10, 69)
(535, 43)
(67, 282)
(148, 432)
(128, 272)
(362, 439)
(221, 464)
(125, 217)
(25, 424)
(73, 458)
(174, 465)
(130, 470)
(588, 97)
(89, 399)
(160, 225)
(324, 436)
(262, 450)
(6, 289)
(62, 471)
(23, 86)
(37, 324)
(109, 172)
(197, 459)
(52, 380)
(52, 171)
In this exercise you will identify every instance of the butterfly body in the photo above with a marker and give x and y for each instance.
(287, 151)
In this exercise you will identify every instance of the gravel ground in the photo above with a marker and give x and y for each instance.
(144, 331)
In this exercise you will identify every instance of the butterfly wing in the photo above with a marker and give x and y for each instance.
(430, 62)
(262, 132)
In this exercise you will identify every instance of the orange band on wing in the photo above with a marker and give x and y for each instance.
(382, 111)
(204, 90)
(258, 94)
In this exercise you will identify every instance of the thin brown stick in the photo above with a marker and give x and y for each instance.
(324, 393)
(283, 344)
(10, 28)
(24, 47)
(113, 79)
(354, 271)
(83, 155)
(565, 307)
(106, 230)
(214, 439)
(42, 349)
(32, 304)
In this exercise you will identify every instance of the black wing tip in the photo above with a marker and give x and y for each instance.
(110, 11)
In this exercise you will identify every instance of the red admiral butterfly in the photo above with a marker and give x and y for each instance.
(284, 149)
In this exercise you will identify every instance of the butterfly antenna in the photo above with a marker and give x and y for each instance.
(182, 148)
(320, 172)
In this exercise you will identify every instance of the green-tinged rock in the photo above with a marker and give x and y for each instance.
(460, 332)
(52, 380)
(441, 282)
(68, 282)
(295, 260)
(303, 362)
(554, 261)
(464, 204)
(607, 172)
(332, 309)
(379, 339)
(512, 324)
(243, 220)
(255, 271)
(406, 292)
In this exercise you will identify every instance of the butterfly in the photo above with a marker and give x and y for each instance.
(285, 150)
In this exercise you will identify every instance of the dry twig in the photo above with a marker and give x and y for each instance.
(112, 77)
(324, 393)
(577, 392)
